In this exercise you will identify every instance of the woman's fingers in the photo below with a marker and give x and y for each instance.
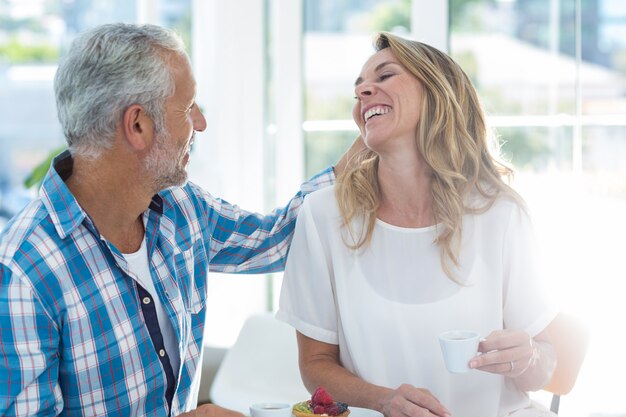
(503, 339)
(504, 352)
(421, 403)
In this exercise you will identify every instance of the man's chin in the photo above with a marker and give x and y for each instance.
(179, 185)
(172, 182)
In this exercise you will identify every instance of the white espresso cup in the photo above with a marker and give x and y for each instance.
(270, 410)
(458, 347)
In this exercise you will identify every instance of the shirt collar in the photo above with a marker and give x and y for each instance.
(65, 211)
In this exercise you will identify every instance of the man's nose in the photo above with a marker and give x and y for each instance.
(199, 122)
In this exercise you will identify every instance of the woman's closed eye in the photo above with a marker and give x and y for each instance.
(382, 77)
(385, 75)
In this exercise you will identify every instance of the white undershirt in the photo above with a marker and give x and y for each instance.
(139, 265)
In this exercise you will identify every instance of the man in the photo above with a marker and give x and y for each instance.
(103, 277)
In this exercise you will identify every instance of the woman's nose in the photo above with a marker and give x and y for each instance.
(363, 90)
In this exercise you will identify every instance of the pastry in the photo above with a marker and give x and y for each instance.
(320, 404)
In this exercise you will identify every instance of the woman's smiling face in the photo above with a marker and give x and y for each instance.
(389, 101)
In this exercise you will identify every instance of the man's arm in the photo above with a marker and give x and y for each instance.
(29, 360)
(244, 242)
(347, 159)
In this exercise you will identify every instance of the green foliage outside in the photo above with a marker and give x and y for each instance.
(524, 148)
(391, 16)
(35, 178)
(15, 52)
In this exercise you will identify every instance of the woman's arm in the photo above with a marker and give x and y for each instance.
(559, 352)
(570, 339)
(320, 366)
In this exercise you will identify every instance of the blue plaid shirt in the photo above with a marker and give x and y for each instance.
(73, 338)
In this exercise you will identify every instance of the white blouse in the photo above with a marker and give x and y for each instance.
(385, 305)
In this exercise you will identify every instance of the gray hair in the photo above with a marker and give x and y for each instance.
(106, 70)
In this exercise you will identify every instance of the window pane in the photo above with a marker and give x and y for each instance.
(604, 45)
(537, 148)
(553, 80)
(324, 149)
(536, 77)
(337, 40)
(177, 15)
(604, 153)
(33, 35)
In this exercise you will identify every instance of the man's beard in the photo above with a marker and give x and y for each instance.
(164, 163)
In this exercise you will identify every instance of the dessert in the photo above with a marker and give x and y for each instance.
(320, 404)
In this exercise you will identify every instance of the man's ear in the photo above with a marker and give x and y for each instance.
(138, 127)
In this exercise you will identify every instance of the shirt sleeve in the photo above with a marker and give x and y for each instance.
(29, 359)
(307, 296)
(245, 242)
(527, 305)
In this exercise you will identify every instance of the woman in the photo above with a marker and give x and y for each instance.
(422, 236)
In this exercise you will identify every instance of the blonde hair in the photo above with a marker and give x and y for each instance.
(452, 138)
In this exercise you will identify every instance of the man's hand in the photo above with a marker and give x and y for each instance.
(211, 410)
(347, 159)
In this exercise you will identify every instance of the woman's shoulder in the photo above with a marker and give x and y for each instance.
(489, 198)
(322, 199)
(321, 207)
(509, 204)
(499, 209)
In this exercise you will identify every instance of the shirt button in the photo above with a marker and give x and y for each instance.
(146, 300)
(162, 352)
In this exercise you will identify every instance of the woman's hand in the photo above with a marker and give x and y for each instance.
(211, 410)
(407, 400)
(505, 352)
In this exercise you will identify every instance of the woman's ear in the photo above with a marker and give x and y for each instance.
(138, 127)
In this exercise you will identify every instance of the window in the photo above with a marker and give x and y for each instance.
(551, 76)
(552, 79)
(33, 35)
(337, 39)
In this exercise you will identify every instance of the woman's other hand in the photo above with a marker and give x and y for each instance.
(408, 400)
(211, 410)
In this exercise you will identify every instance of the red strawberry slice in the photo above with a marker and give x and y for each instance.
(321, 396)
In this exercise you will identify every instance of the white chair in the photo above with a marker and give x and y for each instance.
(262, 366)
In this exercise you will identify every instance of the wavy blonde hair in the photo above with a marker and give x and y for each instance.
(453, 139)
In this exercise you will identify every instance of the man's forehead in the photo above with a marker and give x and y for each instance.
(181, 71)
